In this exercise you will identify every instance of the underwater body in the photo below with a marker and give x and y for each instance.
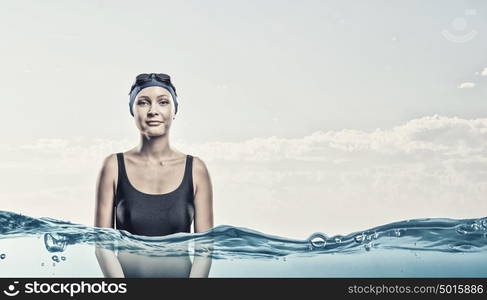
(431, 247)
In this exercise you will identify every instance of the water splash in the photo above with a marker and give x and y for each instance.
(55, 242)
(228, 242)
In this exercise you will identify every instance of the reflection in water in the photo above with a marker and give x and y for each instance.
(130, 263)
(136, 265)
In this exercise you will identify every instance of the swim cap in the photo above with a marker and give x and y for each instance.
(145, 80)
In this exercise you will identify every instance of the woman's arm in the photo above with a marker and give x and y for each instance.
(105, 194)
(203, 220)
(203, 200)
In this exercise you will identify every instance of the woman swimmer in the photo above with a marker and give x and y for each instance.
(153, 189)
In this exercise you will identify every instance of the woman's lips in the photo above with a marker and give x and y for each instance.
(154, 123)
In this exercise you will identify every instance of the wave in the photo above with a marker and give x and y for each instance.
(228, 242)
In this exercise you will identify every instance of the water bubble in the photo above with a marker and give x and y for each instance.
(360, 238)
(55, 242)
(55, 258)
(2, 256)
(376, 235)
(397, 232)
(63, 257)
(317, 240)
(368, 246)
(338, 239)
(483, 223)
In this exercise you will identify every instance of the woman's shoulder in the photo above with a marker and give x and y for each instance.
(200, 170)
(201, 176)
(109, 170)
(198, 163)
(110, 161)
(110, 165)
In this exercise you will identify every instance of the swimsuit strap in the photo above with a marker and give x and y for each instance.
(189, 172)
(121, 171)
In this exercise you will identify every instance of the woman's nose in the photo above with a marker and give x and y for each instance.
(152, 109)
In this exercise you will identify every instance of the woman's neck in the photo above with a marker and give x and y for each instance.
(155, 147)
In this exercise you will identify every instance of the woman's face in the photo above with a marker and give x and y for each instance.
(153, 103)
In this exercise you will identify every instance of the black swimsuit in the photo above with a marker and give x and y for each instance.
(154, 215)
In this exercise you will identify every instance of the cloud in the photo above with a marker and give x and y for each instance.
(441, 136)
(466, 85)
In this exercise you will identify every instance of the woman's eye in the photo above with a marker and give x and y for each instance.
(160, 102)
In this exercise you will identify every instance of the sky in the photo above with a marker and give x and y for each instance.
(312, 116)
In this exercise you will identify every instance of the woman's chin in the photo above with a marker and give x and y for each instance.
(155, 133)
